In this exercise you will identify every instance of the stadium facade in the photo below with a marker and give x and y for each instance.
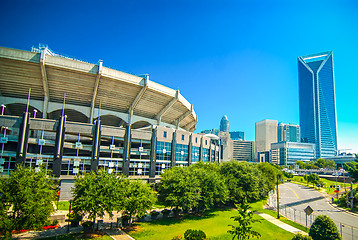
(82, 117)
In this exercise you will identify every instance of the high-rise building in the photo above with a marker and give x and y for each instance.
(288, 133)
(244, 150)
(266, 133)
(237, 135)
(317, 103)
(224, 124)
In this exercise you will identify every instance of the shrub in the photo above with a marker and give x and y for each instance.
(154, 214)
(301, 237)
(87, 226)
(54, 222)
(165, 212)
(323, 228)
(191, 234)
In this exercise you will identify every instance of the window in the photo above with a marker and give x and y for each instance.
(206, 142)
(196, 140)
(165, 134)
(182, 137)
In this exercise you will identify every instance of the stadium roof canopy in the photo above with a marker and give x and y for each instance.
(126, 96)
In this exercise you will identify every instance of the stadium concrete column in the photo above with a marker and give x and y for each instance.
(201, 150)
(96, 145)
(153, 152)
(190, 150)
(23, 139)
(60, 139)
(174, 145)
(44, 83)
(127, 145)
(95, 89)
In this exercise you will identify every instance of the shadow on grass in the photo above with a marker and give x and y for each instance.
(178, 219)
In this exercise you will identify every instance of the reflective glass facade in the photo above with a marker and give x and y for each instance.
(317, 103)
(182, 154)
(205, 156)
(195, 154)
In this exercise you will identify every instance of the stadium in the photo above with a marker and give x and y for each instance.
(71, 117)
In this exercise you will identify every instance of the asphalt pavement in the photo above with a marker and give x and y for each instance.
(295, 198)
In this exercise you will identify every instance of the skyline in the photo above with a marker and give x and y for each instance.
(231, 58)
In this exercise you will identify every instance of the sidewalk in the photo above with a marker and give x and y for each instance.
(118, 234)
(280, 224)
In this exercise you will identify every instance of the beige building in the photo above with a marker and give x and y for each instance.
(243, 150)
(266, 133)
(227, 146)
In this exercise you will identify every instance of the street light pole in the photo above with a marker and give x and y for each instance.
(278, 204)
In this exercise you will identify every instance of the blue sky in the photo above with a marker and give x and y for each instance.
(237, 58)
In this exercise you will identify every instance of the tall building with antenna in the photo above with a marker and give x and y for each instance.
(317, 101)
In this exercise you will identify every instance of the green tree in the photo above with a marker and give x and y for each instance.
(26, 199)
(320, 162)
(301, 164)
(323, 228)
(97, 193)
(139, 197)
(313, 178)
(270, 172)
(213, 190)
(330, 164)
(244, 180)
(179, 188)
(245, 219)
(352, 168)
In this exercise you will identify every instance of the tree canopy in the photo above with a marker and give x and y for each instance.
(26, 199)
(323, 228)
(97, 193)
(352, 168)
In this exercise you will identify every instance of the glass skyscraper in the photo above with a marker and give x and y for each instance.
(317, 103)
(224, 124)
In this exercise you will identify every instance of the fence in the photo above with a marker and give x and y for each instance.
(299, 216)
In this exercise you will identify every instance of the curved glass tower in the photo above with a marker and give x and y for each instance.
(224, 124)
(317, 103)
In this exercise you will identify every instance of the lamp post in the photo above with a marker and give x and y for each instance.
(278, 203)
(35, 111)
(2, 109)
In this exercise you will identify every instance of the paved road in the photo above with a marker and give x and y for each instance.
(295, 198)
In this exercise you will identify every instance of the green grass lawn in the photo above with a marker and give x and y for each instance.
(214, 224)
(326, 184)
(63, 205)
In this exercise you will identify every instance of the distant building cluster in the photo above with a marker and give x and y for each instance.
(285, 144)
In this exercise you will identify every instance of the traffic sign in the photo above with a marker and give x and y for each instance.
(308, 210)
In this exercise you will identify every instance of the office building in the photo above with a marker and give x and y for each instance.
(224, 124)
(288, 153)
(244, 150)
(237, 135)
(288, 133)
(266, 133)
(317, 103)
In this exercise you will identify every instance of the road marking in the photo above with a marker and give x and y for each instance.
(293, 192)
